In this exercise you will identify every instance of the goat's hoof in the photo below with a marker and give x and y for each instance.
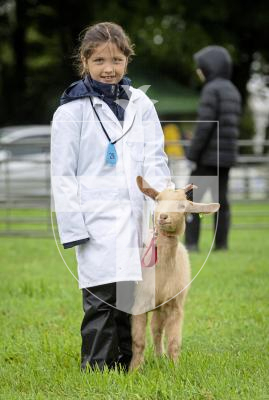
(135, 365)
(173, 358)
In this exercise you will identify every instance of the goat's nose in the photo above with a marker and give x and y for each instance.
(163, 216)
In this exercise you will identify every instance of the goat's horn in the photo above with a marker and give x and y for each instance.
(189, 187)
(146, 188)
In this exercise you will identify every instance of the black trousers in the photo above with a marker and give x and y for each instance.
(105, 330)
(193, 222)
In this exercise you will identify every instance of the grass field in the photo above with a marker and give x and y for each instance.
(225, 336)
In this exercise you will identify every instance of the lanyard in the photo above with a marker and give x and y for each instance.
(104, 130)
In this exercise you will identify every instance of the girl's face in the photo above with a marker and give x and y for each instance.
(107, 64)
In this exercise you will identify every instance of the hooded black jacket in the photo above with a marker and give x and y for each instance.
(220, 101)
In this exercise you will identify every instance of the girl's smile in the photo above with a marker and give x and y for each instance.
(107, 63)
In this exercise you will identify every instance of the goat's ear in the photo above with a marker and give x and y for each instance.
(145, 188)
(202, 208)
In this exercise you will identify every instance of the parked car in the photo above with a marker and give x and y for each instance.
(24, 162)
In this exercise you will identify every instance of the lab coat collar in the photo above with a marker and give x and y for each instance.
(130, 111)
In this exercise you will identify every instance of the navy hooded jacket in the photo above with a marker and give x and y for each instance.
(109, 93)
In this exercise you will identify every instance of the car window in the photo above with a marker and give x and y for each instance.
(30, 145)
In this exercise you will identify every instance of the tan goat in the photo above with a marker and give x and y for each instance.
(165, 286)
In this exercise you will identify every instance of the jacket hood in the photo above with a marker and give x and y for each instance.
(88, 87)
(214, 61)
(75, 91)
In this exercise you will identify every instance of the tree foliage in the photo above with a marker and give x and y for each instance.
(38, 40)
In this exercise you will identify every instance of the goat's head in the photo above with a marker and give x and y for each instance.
(172, 205)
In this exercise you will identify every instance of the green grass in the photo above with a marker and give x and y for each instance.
(225, 336)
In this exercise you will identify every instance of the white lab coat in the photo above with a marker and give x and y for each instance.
(102, 202)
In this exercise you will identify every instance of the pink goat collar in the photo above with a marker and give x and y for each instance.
(153, 255)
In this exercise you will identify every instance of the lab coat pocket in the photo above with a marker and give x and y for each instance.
(136, 150)
(100, 208)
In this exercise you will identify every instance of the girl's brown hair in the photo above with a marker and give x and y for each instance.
(98, 34)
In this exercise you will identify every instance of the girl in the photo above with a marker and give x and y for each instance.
(104, 134)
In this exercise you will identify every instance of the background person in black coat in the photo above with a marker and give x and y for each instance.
(213, 147)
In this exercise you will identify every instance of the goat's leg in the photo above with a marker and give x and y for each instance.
(173, 331)
(139, 323)
(157, 327)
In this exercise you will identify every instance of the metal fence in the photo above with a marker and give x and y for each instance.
(25, 187)
(249, 179)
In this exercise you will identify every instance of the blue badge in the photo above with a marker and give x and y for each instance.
(111, 155)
